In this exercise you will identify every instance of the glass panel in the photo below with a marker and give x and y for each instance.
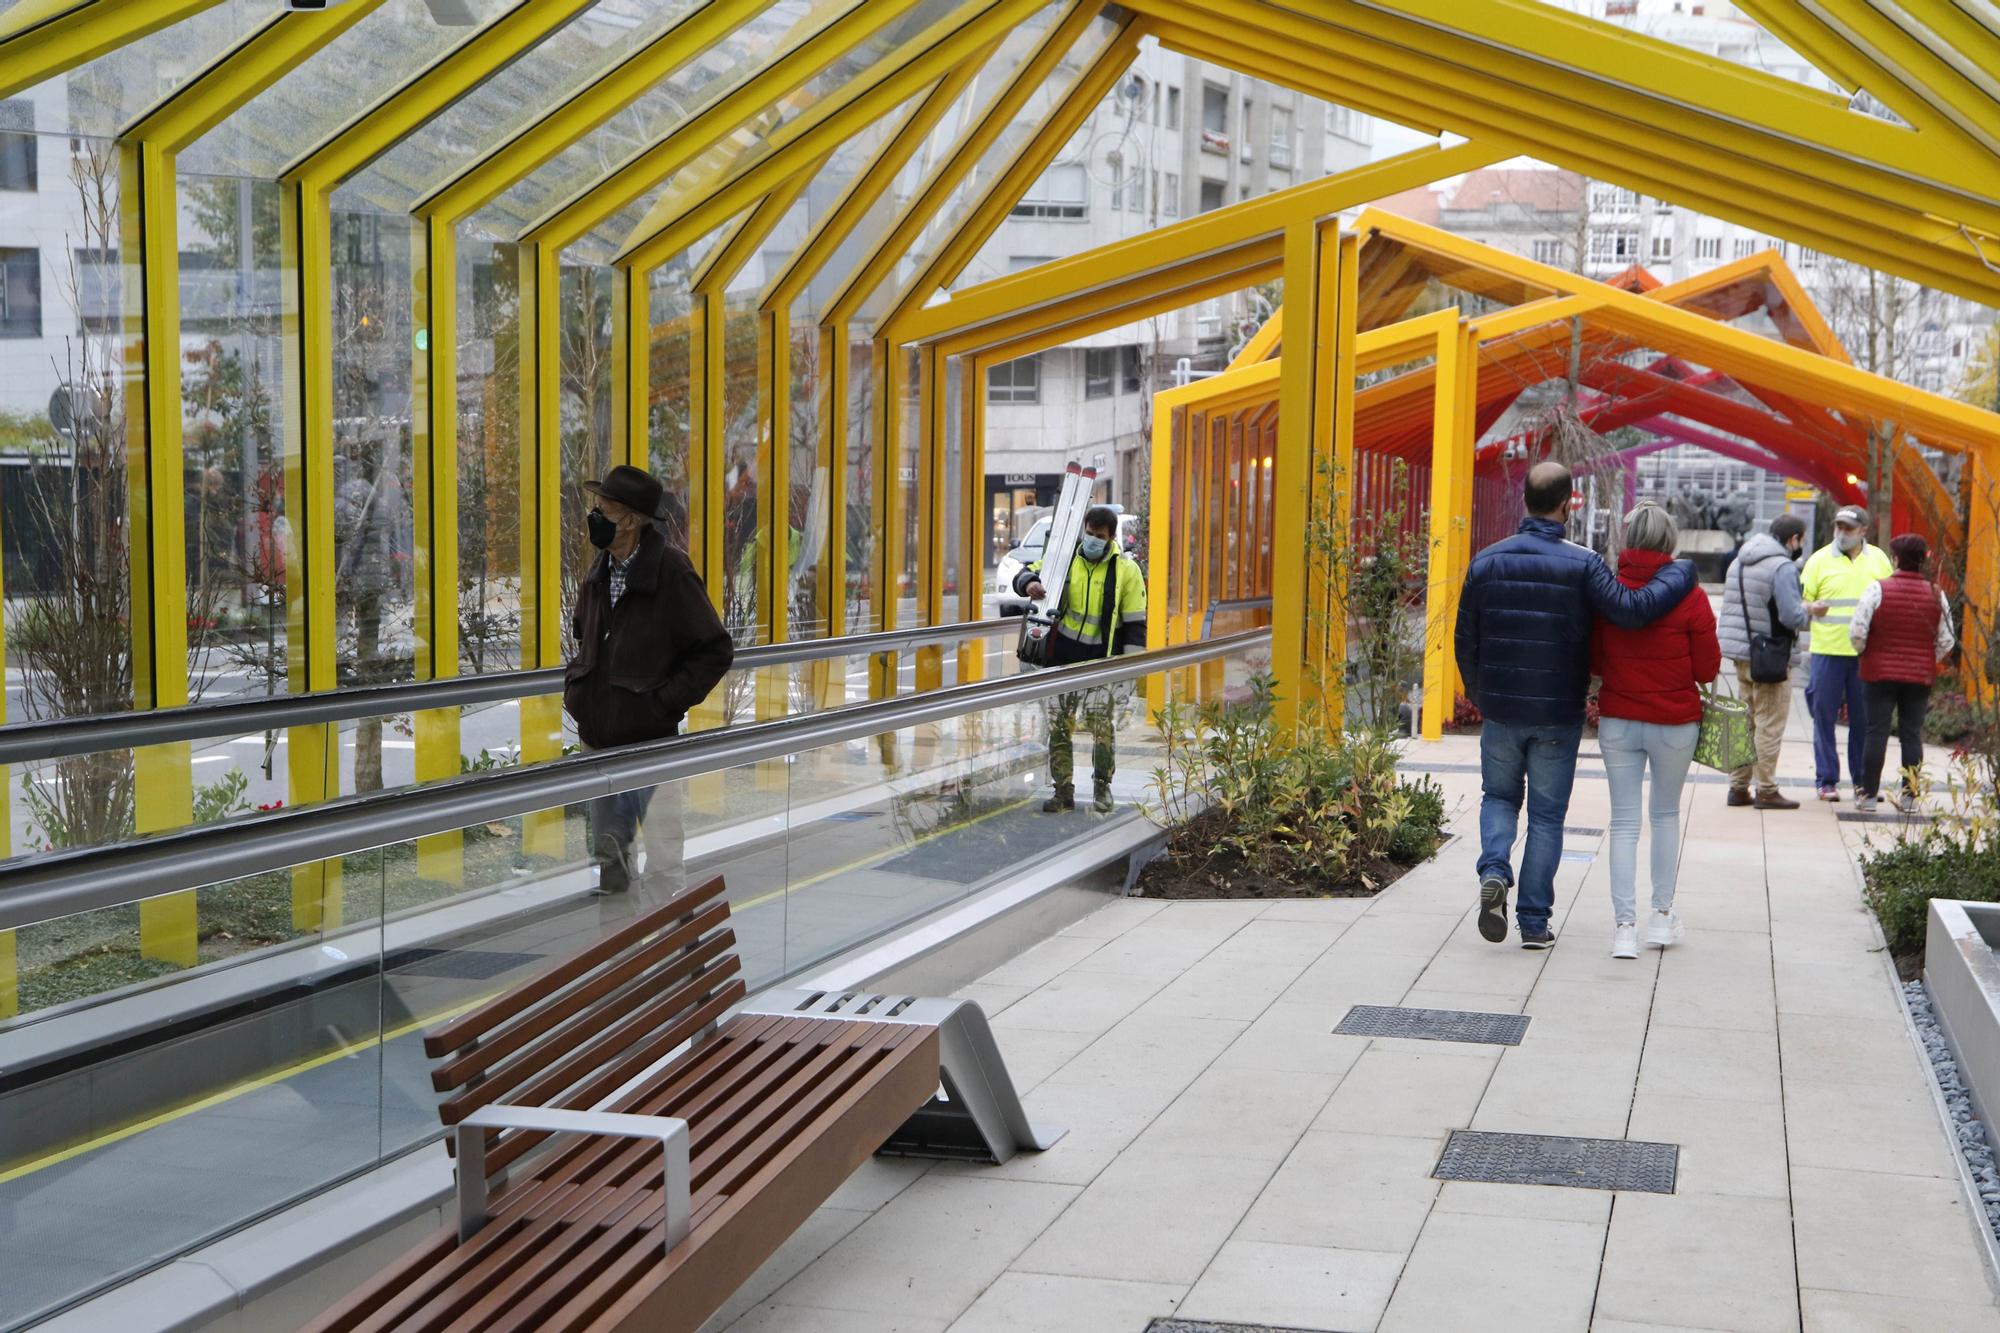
(951, 217)
(863, 606)
(1727, 33)
(671, 365)
(490, 521)
(744, 361)
(99, 98)
(542, 79)
(811, 496)
(354, 70)
(584, 350)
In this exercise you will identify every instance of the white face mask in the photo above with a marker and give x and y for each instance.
(1847, 539)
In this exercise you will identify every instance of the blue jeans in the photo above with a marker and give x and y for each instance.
(1832, 682)
(1543, 761)
(1628, 747)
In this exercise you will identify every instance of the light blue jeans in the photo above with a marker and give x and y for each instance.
(1627, 748)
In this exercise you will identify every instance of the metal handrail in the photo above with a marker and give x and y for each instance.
(61, 884)
(30, 741)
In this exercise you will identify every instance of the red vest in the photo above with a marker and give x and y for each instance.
(1902, 638)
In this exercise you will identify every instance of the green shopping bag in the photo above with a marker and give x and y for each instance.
(1726, 742)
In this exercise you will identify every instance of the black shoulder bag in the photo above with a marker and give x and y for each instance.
(1770, 654)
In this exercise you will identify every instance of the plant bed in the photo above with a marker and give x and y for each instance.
(1252, 813)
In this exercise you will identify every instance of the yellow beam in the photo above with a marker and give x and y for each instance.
(998, 197)
(1249, 223)
(778, 78)
(992, 121)
(618, 88)
(1298, 397)
(40, 39)
(1168, 298)
(1439, 598)
(860, 196)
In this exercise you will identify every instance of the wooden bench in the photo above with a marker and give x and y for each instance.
(649, 1181)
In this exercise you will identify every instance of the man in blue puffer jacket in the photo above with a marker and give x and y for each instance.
(1523, 640)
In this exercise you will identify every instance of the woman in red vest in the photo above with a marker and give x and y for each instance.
(1902, 630)
(1649, 715)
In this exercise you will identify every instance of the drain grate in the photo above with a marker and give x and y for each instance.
(1375, 1020)
(459, 964)
(1552, 1159)
(1583, 831)
(1879, 817)
(1165, 1325)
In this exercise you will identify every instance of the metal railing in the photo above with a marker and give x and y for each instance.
(30, 741)
(62, 884)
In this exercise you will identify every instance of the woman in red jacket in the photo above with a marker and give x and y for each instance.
(1649, 711)
(1902, 630)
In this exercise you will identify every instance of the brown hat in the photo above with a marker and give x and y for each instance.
(631, 487)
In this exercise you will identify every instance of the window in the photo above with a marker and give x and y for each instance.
(1708, 247)
(1017, 381)
(1173, 108)
(1618, 247)
(1808, 258)
(1118, 181)
(1100, 371)
(1663, 249)
(1281, 136)
(1061, 192)
(1211, 195)
(1214, 118)
(1243, 130)
(1128, 358)
(1549, 252)
(17, 145)
(97, 278)
(1613, 199)
(1172, 203)
(1745, 246)
(20, 293)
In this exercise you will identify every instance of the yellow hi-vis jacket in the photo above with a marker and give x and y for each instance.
(1831, 577)
(1083, 602)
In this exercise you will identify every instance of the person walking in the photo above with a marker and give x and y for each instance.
(1103, 614)
(649, 647)
(1833, 580)
(1649, 711)
(1760, 595)
(1901, 631)
(1522, 642)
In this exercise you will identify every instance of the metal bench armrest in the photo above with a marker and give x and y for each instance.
(671, 1134)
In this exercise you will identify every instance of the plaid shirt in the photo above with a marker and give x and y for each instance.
(619, 568)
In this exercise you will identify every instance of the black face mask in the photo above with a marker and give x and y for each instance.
(602, 530)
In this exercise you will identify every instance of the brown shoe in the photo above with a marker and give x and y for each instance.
(1739, 796)
(1770, 800)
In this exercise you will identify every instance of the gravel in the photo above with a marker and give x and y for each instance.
(1966, 1127)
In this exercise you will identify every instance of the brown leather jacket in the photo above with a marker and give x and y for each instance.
(640, 666)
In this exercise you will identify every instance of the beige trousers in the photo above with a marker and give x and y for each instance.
(1770, 704)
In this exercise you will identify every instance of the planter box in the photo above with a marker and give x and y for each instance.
(1963, 973)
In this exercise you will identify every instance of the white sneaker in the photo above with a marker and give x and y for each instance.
(1665, 928)
(1625, 941)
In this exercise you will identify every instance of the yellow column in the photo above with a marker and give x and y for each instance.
(774, 529)
(540, 511)
(312, 752)
(885, 555)
(1440, 599)
(1298, 399)
(1464, 424)
(972, 546)
(1982, 569)
(932, 414)
(1333, 466)
(434, 471)
(830, 677)
(705, 472)
(163, 782)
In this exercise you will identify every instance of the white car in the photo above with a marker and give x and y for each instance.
(1030, 550)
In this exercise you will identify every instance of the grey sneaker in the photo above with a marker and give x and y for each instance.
(1493, 909)
(1537, 937)
(1864, 802)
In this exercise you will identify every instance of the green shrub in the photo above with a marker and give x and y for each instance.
(1904, 876)
(1314, 810)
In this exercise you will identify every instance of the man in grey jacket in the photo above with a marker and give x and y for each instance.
(1763, 578)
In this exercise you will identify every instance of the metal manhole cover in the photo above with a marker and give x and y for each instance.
(460, 964)
(1553, 1159)
(1376, 1020)
(1165, 1325)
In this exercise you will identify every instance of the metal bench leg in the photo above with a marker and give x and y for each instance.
(980, 1112)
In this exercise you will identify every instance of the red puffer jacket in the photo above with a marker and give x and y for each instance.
(1652, 674)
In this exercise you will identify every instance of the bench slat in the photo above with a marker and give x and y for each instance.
(484, 1056)
(519, 999)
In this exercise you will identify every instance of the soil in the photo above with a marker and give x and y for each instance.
(1175, 874)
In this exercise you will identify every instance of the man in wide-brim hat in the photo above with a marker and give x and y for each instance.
(649, 647)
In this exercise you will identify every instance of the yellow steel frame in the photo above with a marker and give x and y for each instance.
(163, 783)
(306, 221)
(40, 39)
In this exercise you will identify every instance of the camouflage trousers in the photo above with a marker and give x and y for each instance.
(1099, 712)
